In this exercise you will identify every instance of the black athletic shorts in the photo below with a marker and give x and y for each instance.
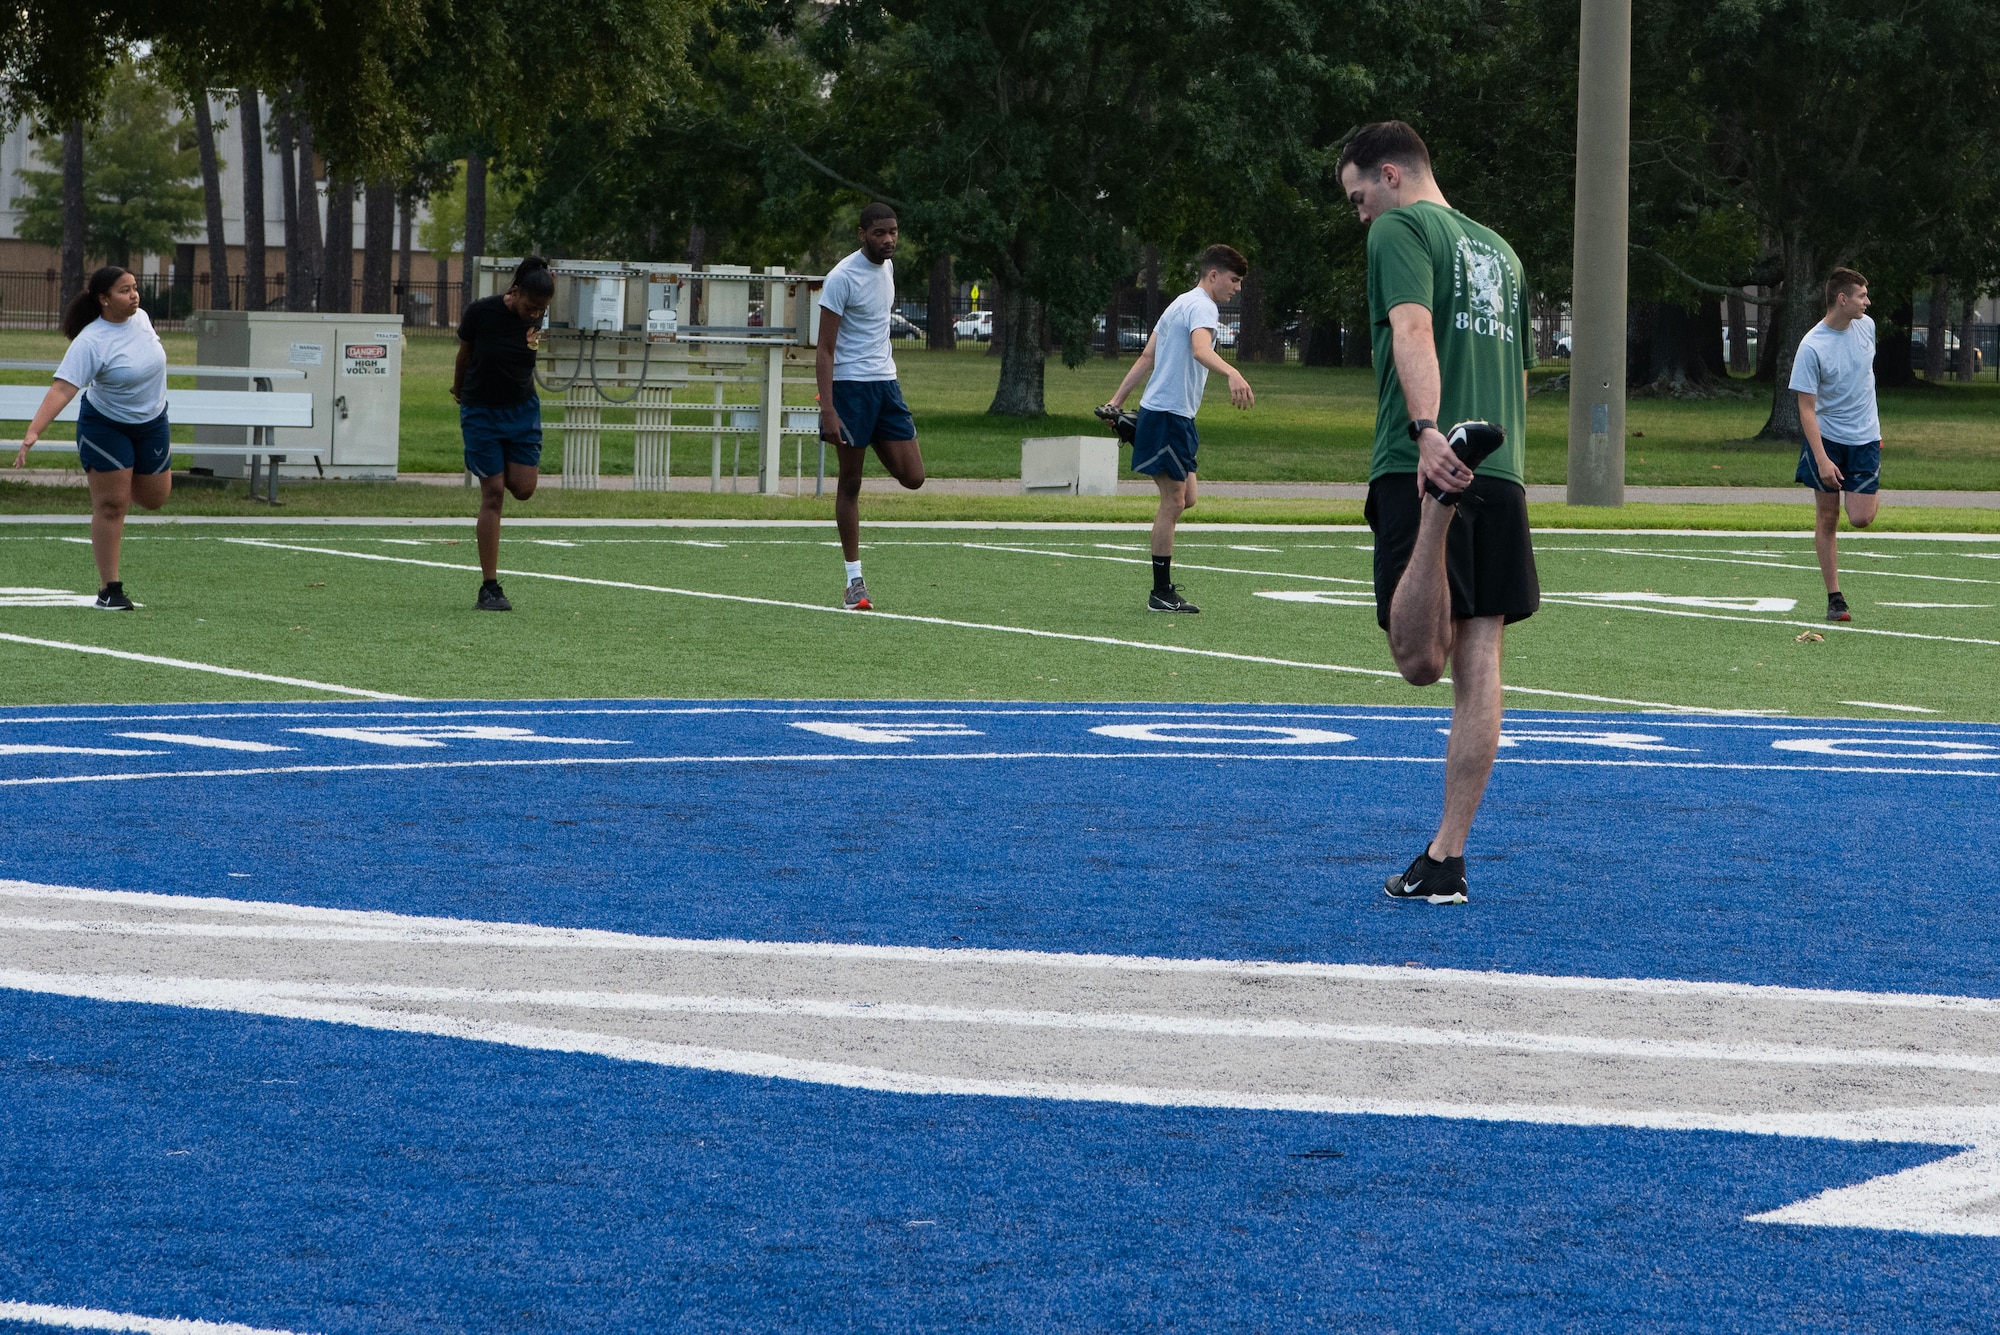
(1489, 558)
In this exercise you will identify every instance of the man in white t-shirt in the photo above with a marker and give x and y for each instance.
(1178, 357)
(860, 403)
(1833, 374)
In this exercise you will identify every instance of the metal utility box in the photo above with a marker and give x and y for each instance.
(353, 368)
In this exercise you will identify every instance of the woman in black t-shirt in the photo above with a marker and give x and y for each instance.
(498, 412)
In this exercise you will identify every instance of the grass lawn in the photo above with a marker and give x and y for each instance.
(1310, 424)
(392, 611)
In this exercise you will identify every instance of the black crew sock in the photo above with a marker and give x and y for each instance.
(1162, 573)
(114, 587)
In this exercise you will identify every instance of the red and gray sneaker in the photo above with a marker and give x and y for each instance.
(1430, 881)
(856, 597)
(1836, 608)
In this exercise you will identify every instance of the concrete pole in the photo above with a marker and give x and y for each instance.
(1597, 305)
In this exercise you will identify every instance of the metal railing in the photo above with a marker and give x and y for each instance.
(31, 299)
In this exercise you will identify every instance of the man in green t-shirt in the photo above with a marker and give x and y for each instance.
(1453, 560)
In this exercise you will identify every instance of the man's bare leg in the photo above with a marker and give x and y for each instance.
(1826, 528)
(1476, 708)
(902, 458)
(1420, 624)
(1861, 507)
(1174, 499)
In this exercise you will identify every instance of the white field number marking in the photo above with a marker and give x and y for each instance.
(29, 597)
(90, 1318)
(1324, 597)
(208, 743)
(1889, 748)
(1623, 741)
(1224, 734)
(886, 733)
(1721, 603)
(445, 734)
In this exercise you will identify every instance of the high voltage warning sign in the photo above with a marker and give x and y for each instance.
(364, 359)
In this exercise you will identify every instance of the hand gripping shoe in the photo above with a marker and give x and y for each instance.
(1124, 423)
(1472, 442)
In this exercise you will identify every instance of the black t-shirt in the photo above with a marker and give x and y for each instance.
(502, 373)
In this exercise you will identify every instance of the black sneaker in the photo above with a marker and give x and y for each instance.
(491, 599)
(111, 598)
(1431, 881)
(1170, 601)
(1125, 424)
(1836, 608)
(1472, 442)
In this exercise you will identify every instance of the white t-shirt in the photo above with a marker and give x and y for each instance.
(1178, 379)
(862, 295)
(121, 368)
(1837, 367)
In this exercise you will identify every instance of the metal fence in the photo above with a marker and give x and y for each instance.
(35, 300)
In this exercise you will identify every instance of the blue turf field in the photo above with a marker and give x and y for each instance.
(305, 1176)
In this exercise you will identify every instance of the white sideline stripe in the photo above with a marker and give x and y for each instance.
(961, 625)
(90, 1318)
(384, 925)
(1140, 561)
(1877, 704)
(203, 667)
(250, 993)
(1839, 626)
(46, 780)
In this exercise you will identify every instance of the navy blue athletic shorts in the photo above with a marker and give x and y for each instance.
(496, 437)
(872, 412)
(1860, 467)
(1164, 443)
(105, 445)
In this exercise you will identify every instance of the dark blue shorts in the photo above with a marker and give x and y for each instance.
(1860, 467)
(496, 437)
(105, 445)
(1164, 443)
(873, 412)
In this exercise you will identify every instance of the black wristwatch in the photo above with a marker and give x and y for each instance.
(1421, 425)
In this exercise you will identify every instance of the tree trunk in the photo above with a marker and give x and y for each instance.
(72, 208)
(1796, 318)
(941, 336)
(288, 180)
(1252, 335)
(1111, 317)
(211, 189)
(1665, 350)
(1966, 347)
(312, 246)
(1153, 303)
(1017, 332)
(378, 243)
(406, 218)
(337, 290)
(1319, 342)
(249, 121)
(1934, 335)
(475, 211)
(1708, 338)
(444, 286)
(1739, 343)
(1894, 347)
(1767, 344)
(996, 343)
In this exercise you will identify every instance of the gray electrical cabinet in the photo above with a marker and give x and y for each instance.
(352, 366)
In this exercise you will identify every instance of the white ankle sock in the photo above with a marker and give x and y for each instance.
(853, 571)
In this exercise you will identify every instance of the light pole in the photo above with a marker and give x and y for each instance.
(1597, 302)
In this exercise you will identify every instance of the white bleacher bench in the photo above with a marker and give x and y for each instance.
(261, 410)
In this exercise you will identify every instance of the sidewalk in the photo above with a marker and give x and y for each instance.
(1323, 491)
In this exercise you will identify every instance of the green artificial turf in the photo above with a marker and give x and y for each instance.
(399, 625)
(1310, 423)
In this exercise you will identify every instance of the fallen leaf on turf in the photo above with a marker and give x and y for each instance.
(1809, 637)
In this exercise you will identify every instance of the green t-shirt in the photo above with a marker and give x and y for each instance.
(1470, 281)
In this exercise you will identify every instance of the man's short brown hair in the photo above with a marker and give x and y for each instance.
(1384, 141)
(1219, 256)
(1842, 280)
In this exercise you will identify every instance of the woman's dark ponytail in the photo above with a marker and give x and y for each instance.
(85, 307)
(532, 276)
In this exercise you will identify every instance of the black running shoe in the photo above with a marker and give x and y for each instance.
(1170, 601)
(1430, 881)
(1472, 442)
(1124, 423)
(491, 599)
(112, 599)
(1836, 608)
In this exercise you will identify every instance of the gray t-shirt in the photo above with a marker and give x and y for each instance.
(1837, 367)
(121, 368)
(862, 295)
(1178, 379)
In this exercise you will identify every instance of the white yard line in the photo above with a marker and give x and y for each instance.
(91, 1318)
(1262, 659)
(1779, 565)
(1840, 627)
(1146, 560)
(158, 661)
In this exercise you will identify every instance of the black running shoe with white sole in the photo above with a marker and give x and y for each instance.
(1170, 601)
(491, 599)
(1430, 881)
(1472, 442)
(111, 598)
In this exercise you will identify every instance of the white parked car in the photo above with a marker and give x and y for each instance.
(1225, 337)
(977, 326)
